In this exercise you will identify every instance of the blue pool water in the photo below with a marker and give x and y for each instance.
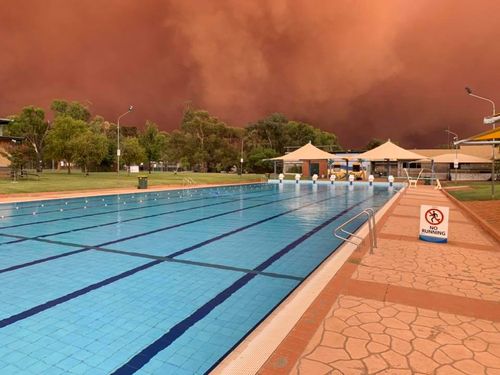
(158, 283)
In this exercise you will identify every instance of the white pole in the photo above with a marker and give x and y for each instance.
(118, 151)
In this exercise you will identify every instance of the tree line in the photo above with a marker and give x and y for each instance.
(201, 143)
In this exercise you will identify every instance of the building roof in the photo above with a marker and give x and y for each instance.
(389, 151)
(482, 151)
(306, 152)
(461, 157)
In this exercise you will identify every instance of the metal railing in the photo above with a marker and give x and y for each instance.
(186, 181)
(370, 213)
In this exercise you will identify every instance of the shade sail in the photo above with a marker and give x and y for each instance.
(451, 157)
(306, 152)
(389, 151)
(491, 137)
(486, 136)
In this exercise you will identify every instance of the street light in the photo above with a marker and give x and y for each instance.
(118, 151)
(469, 92)
(241, 156)
(455, 163)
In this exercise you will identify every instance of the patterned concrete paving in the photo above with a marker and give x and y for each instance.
(452, 270)
(488, 210)
(363, 336)
(412, 307)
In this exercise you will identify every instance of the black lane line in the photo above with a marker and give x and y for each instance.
(121, 210)
(87, 248)
(24, 238)
(200, 264)
(65, 202)
(149, 216)
(62, 201)
(144, 356)
(163, 258)
(49, 304)
(207, 218)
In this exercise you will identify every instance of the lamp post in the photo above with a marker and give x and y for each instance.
(469, 92)
(455, 163)
(241, 157)
(118, 151)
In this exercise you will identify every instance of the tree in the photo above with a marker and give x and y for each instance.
(18, 154)
(133, 152)
(153, 141)
(59, 144)
(374, 142)
(31, 125)
(276, 132)
(75, 110)
(90, 147)
(271, 130)
(256, 162)
(208, 142)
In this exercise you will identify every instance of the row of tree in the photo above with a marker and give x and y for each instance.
(203, 142)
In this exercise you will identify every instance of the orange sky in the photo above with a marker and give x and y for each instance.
(361, 69)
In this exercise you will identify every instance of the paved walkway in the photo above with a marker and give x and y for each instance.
(487, 210)
(411, 308)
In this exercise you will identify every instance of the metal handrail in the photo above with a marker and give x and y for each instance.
(188, 181)
(370, 213)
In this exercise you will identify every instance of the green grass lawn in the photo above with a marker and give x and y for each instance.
(477, 191)
(62, 181)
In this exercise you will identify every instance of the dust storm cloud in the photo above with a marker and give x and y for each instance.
(361, 69)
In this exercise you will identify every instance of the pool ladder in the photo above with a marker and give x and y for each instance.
(340, 231)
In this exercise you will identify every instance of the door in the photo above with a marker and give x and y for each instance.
(314, 169)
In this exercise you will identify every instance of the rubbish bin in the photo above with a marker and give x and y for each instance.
(142, 183)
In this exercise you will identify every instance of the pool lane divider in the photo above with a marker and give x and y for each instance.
(62, 201)
(145, 355)
(90, 247)
(122, 210)
(150, 216)
(24, 238)
(52, 303)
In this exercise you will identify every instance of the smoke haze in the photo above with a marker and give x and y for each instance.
(360, 69)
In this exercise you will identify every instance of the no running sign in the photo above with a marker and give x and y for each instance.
(434, 223)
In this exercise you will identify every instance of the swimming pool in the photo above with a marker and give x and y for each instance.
(158, 283)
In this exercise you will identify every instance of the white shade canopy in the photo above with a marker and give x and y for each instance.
(389, 151)
(306, 152)
(451, 157)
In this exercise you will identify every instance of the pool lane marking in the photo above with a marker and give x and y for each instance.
(65, 202)
(61, 201)
(49, 304)
(153, 231)
(200, 264)
(145, 355)
(152, 215)
(165, 258)
(274, 191)
(24, 238)
(89, 247)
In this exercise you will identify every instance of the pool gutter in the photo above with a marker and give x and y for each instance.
(251, 354)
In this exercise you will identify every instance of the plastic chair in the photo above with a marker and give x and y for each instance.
(411, 181)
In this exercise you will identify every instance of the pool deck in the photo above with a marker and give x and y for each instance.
(412, 307)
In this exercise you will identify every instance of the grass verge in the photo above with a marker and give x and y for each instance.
(476, 191)
(61, 181)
